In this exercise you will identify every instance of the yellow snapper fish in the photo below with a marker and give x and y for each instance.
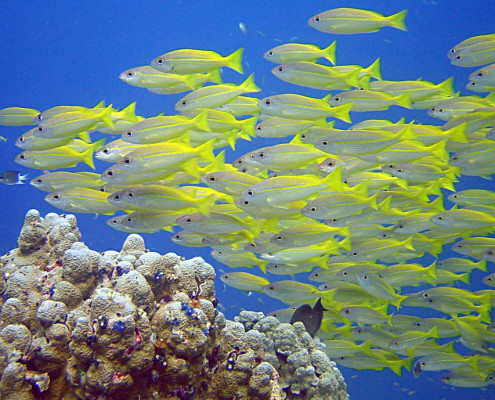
(316, 76)
(146, 221)
(157, 198)
(59, 157)
(244, 281)
(292, 291)
(296, 106)
(189, 61)
(163, 128)
(484, 76)
(72, 122)
(419, 90)
(215, 95)
(281, 190)
(83, 200)
(291, 52)
(61, 180)
(369, 100)
(114, 151)
(148, 77)
(241, 105)
(164, 155)
(230, 182)
(353, 20)
(276, 127)
(355, 142)
(17, 116)
(30, 141)
(475, 54)
(283, 156)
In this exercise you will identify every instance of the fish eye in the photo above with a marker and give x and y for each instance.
(261, 155)
(268, 102)
(312, 209)
(259, 128)
(129, 133)
(39, 180)
(337, 99)
(458, 58)
(317, 19)
(454, 158)
(56, 196)
(250, 193)
(324, 143)
(400, 170)
(281, 69)
(270, 53)
(21, 139)
(347, 311)
(365, 276)
(212, 179)
(127, 161)
(354, 253)
(440, 218)
(130, 74)
(279, 237)
(22, 156)
(116, 197)
(426, 295)
(454, 196)
(219, 253)
(183, 102)
(188, 220)
(177, 236)
(480, 74)
(109, 173)
(345, 273)
(114, 220)
(159, 61)
(271, 288)
(129, 219)
(130, 195)
(303, 136)
(39, 117)
(40, 129)
(105, 151)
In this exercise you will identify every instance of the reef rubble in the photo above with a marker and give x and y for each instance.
(135, 324)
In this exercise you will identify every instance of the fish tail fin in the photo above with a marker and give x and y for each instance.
(231, 138)
(352, 78)
(439, 150)
(384, 206)
(458, 133)
(106, 116)
(87, 157)
(234, 61)
(372, 201)
(398, 20)
(403, 100)
(248, 125)
(374, 70)
(98, 144)
(485, 310)
(482, 265)
(214, 76)
(407, 133)
(447, 86)
(342, 112)
(364, 82)
(206, 150)
(205, 204)
(218, 164)
(431, 270)
(101, 104)
(262, 265)
(201, 121)
(192, 169)
(84, 136)
(249, 85)
(129, 113)
(330, 52)
(190, 81)
(396, 366)
(334, 179)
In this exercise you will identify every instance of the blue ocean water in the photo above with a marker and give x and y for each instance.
(71, 53)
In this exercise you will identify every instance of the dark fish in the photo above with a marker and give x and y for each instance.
(310, 317)
(417, 369)
(12, 178)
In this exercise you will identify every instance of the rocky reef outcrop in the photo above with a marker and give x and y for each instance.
(135, 324)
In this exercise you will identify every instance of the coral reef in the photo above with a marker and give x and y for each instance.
(134, 324)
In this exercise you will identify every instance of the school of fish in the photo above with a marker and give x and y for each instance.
(353, 207)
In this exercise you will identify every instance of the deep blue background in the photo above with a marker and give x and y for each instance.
(71, 53)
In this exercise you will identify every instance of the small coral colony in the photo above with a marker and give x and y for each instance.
(354, 207)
